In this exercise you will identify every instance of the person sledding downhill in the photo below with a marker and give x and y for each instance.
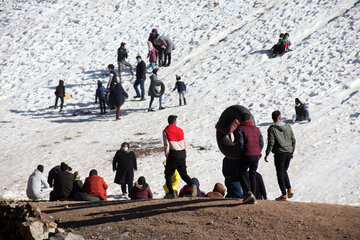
(301, 112)
(175, 148)
(282, 46)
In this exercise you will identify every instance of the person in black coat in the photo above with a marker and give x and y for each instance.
(63, 184)
(53, 173)
(118, 96)
(140, 78)
(60, 93)
(124, 163)
(230, 169)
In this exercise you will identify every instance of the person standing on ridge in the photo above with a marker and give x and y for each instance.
(281, 141)
(140, 78)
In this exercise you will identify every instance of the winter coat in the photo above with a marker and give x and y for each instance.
(122, 54)
(60, 89)
(175, 180)
(53, 173)
(63, 185)
(78, 186)
(230, 169)
(112, 81)
(301, 111)
(180, 86)
(260, 188)
(174, 139)
(138, 192)
(153, 78)
(35, 184)
(249, 139)
(95, 185)
(124, 163)
(169, 45)
(100, 92)
(280, 139)
(218, 191)
(141, 71)
(152, 37)
(152, 55)
(118, 95)
(186, 190)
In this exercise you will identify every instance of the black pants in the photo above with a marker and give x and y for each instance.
(62, 101)
(123, 187)
(282, 162)
(167, 59)
(161, 54)
(251, 163)
(102, 104)
(176, 161)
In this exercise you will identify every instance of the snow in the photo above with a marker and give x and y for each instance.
(220, 53)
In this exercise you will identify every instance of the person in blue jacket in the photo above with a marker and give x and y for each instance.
(100, 93)
(181, 87)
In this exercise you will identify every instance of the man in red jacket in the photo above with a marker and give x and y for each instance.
(250, 143)
(95, 185)
(175, 148)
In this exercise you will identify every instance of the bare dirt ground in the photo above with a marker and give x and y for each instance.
(204, 218)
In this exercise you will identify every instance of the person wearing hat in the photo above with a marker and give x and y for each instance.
(95, 185)
(152, 37)
(63, 184)
(175, 148)
(217, 192)
(37, 186)
(122, 55)
(124, 163)
(181, 88)
(153, 79)
(140, 78)
(141, 190)
(301, 112)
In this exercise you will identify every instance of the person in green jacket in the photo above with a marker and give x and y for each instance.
(281, 141)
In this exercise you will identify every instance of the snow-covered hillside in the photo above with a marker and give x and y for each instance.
(220, 53)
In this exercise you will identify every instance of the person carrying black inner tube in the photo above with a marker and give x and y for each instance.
(153, 79)
(250, 143)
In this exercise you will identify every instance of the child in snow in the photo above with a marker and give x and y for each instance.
(60, 93)
(100, 93)
(181, 87)
(287, 42)
(278, 43)
(301, 112)
(152, 55)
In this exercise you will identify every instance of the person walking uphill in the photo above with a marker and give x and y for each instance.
(124, 163)
(250, 143)
(122, 55)
(153, 79)
(60, 93)
(281, 141)
(175, 148)
(100, 93)
(140, 78)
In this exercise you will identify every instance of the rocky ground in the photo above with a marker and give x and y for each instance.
(205, 219)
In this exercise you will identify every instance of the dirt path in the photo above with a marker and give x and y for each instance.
(205, 219)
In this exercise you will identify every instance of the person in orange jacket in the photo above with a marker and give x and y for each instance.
(95, 185)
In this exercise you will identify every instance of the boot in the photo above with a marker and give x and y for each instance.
(184, 101)
(180, 102)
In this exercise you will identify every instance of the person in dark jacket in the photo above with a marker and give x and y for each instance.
(95, 185)
(63, 184)
(118, 96)
(77, 186)
(112, 78)
(250, 143)
(140, 78)
(141, 190)
(153, 35)
(53, 173)
(100, 93)
(60, 93)
(153, 79)
(181, 87)
(260, 193)
(230, 169)
(218, 191)
(124, 163)
(281, 141)
(188, 190)
(301, 112)
(165, 43)
(122, 55)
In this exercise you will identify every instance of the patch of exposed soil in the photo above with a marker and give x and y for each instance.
(204, 218)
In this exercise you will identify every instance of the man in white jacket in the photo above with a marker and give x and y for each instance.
(37, 186)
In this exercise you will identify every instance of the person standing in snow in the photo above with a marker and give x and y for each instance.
(122, 55)
(112, 78)
(60, 93)
(250, 143)
(181, 87)
(152, 55)
(168, 46)
(301, 112)
(281, 141)
(153, 79)
(118, 96)
(140, 78)
(124, 163)
(37, 187)
(152, 37)
(175, 148)
(100, 93)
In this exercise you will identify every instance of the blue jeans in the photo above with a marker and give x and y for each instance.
(153, 65)
(152, 99)
(298, 117)
(234, 189)
(142, 88)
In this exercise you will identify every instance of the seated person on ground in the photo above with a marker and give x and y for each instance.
(63, 184)
(141, 190)
(185, 191)
(95, 185)
(218, 191)
(37, 187)
(301, 112)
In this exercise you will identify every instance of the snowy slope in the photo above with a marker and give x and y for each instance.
(220, 53)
